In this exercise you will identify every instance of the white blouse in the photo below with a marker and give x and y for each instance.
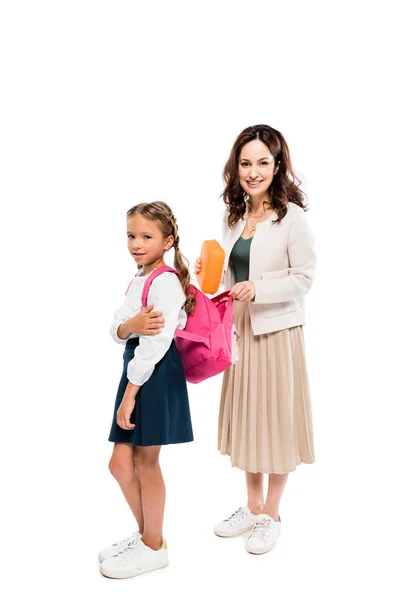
(167, 295)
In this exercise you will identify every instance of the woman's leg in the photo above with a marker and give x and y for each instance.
(153, 494)
(276, 486)
(122, 467)
(255, 492)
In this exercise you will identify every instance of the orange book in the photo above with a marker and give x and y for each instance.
(212, 262)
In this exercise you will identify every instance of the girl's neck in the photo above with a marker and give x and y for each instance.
(147, 269)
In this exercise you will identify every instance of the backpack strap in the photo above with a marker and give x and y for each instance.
(193, 337)
(223, 297)
(150, 279)
(187, 335)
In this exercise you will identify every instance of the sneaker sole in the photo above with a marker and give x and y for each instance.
(136, 572)
(259, 551)
(220, 533)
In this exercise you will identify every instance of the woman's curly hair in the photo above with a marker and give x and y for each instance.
(285, 184)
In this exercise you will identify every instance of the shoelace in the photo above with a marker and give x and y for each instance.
(124, 544)
(237, 516)
(262, 529)
(132, 551)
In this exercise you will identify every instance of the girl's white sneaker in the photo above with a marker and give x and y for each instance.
(239, 522)
(264, 535)
(110, 551)
(135, 560)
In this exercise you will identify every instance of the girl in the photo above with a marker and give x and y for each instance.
(265, 423)
(151, 407)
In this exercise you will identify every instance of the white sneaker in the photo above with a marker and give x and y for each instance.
(135, 560)
(264, 535)
(239, 522)
(110, 551)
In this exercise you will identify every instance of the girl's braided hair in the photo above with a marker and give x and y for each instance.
(162, 213)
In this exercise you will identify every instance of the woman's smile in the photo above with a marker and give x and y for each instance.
(254, 183)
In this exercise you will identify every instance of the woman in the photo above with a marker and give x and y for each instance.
(265, 423)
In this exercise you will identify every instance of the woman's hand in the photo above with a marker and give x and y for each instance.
(197, 266)
(244, 291)
(126, 407)
(146, 322)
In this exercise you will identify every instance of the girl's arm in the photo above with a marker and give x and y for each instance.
(121, 330)
(167, 294)
(146, 322)
(126, 407)
(283, 286)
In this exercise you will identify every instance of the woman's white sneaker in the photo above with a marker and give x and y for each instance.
(264, 535)
(239, 522)
(110, 551)
(135, 560)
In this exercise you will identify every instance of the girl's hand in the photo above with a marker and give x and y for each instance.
(197, 266)
(126, 407)
(146, 322)
(244, 291)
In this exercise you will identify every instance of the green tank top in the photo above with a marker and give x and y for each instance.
(240, 259)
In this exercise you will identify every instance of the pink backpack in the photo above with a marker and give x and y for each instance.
(209, 343)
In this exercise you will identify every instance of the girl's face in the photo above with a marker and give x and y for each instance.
(256, 168)
(146, 242)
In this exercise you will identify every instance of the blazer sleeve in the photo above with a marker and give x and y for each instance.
(286, 285)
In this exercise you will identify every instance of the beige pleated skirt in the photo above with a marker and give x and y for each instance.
(265, 420)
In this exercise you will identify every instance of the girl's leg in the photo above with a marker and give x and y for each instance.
(153, 494)
(122, 467)
(276, 486)
(255, 492)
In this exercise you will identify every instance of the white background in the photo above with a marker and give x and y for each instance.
(106, 104)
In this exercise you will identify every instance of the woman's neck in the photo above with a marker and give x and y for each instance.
(258, 203)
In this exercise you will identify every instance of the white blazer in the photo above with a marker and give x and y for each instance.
(282, 263)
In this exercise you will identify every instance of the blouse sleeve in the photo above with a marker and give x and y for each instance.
(283, 286)
(118, 320)
(166, 293)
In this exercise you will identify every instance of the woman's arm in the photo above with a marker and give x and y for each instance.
(283, 286)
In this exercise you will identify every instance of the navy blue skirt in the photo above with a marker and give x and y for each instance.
(161, 414)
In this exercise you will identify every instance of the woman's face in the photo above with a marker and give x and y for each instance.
(256, 168)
